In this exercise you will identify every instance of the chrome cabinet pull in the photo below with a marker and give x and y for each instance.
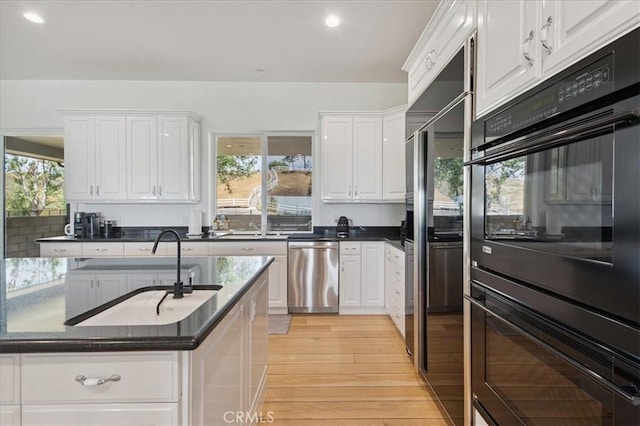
(544, 33)
(91, 190)
(153, 191)
(356, 190)
(97, 190)
(526, 44)
(247, 249)
(84, 381)
(160, 191)
(349, 190)
(59, 250)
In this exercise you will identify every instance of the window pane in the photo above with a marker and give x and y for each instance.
(238, 180)
(290, 166)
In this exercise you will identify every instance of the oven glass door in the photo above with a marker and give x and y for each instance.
(521, 375)
(557, 200)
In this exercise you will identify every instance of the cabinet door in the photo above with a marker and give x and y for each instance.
(100, 414)
(79, 157)
(111, 158)
(10, 415)
(80, 292)
(109, 286)
(336, 156)
(507, 35)
(350, 280)
(173, 158)
(142, 156)
(278, 283)
(372, 288)
(258, 338)
(218, 371)
(574, 29)
(393, 157)
(367, 158)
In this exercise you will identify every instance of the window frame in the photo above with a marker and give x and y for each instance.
(264, 154)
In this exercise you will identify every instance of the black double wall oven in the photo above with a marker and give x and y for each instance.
(555, 248)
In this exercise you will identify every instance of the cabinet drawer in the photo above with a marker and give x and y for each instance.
(53, 378)
(60, 250)
(144, 249)
(10, 379)
(350, 247)
(397, 292)
(165, 414)
(397, 316)
(102, 249)
(194, 248)
(248, 248)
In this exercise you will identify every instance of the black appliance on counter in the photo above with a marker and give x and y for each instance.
(86, 225)
(342, 229)
(555, 290)
(434, 242)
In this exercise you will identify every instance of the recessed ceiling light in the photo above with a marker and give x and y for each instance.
(332, 21)
(33, 17)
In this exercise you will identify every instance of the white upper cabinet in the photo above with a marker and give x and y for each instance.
(142, 153)
(95, 158)
(393, 156)
(522, 43)
(508, 49)
(367, 158)
(132, 156)
(446, 32)
(351, 155)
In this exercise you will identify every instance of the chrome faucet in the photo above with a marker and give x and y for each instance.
(178, 288)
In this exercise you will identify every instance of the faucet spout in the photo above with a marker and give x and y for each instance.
(178, 286)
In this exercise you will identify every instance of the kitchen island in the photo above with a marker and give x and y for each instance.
(203, 369)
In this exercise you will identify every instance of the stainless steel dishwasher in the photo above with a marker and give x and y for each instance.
(313, 277)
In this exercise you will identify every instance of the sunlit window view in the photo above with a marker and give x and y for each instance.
(248, 193)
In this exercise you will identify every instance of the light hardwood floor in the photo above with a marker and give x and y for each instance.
(345, 370)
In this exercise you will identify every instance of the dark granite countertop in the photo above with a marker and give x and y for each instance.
(37, 295)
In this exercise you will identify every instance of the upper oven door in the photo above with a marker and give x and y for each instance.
(559, 209)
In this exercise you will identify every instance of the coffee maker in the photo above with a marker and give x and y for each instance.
(86, 225)
(342, 230)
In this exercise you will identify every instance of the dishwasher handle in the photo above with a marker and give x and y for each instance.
(313, 245)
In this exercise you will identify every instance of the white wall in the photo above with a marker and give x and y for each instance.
(34, 105)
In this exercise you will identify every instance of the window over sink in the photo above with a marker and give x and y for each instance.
(263, 183)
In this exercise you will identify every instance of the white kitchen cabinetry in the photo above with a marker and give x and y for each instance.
(523, 43)
(95, 158)
(144, 249)
(88, 289)
(393, 156)
(228, 370)
(130, 414)
(102, 249)
(10, 390)
(452, 22)
(395, 286)
(277, 270)
(131, 156)
(60, 249)
(187, 248)
(351, 158)
(361, 277)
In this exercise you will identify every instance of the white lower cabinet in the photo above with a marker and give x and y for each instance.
(60, 249)
(101, 414)
(395, 286)
(90, 289)
(361, 277)
(228, 371)
(222, 381)
(277, 270)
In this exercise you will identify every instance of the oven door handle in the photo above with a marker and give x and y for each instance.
(632, 399)
(560, 137)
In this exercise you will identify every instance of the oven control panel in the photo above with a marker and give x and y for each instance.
(583, 86)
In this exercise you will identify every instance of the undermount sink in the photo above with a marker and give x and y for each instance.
(139, 308)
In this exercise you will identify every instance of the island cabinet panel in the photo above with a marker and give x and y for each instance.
(217, 372)
(258, 325)
(10, 383)
(144, 377)
(101, 414)
(10, 415)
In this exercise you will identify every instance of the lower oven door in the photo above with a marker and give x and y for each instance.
(528, 370)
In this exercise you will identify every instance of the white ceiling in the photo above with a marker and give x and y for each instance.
(211, 40)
